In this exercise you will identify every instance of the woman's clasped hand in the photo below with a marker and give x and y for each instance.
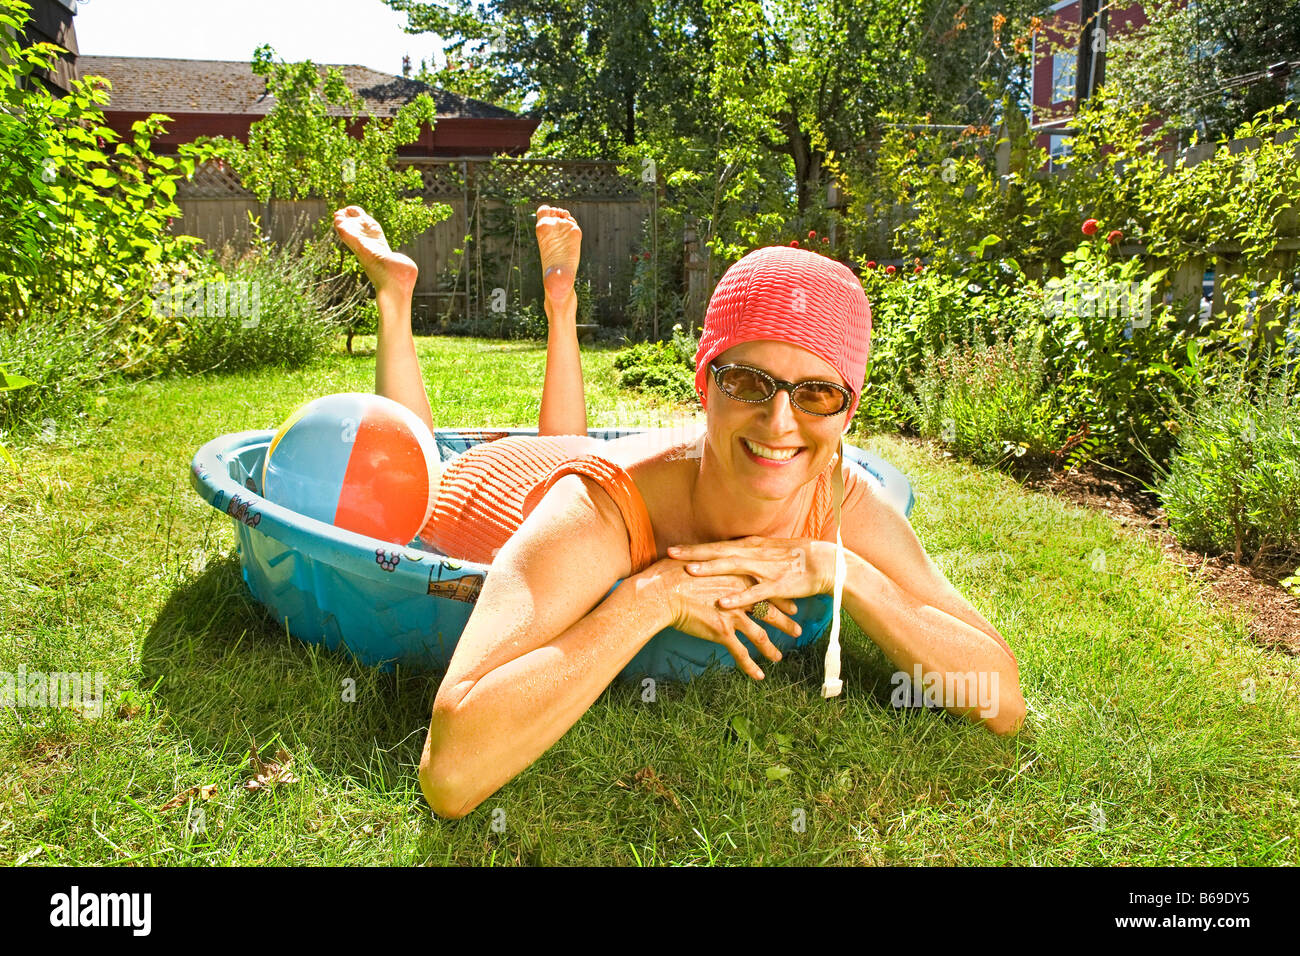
(712, 589)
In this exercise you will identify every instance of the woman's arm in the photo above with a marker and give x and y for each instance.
(542, 645)
(893, 592)
(904, 603)
(535, 655)
(973, 673)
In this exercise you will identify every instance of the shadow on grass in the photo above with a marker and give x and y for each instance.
(225, 675)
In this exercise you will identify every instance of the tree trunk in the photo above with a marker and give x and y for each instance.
(629, 118)
(807, 163)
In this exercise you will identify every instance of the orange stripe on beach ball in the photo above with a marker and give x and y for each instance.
(385, 490)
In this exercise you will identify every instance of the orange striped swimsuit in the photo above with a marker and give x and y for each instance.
(488, 491)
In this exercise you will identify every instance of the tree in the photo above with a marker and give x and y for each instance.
(1205, 65)
(601, 74)
(818, 78)
(304, 149)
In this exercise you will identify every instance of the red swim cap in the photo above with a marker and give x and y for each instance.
(795, 296)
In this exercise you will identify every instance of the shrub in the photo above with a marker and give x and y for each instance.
(1235, 470)
(989, 403)
(79, 226)
(68, 356)
(1111, 357)
(663, 368)
(268, 308)
(917, 316)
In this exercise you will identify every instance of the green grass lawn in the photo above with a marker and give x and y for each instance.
(1144, 743)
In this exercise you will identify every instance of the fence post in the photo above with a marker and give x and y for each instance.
(696, 281)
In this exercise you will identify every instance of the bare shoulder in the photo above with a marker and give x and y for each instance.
(558, 565)
(662, 463)
(576, 512)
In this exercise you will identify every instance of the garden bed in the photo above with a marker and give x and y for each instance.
(1254, 590)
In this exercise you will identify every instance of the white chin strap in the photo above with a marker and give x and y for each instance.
(831, 684)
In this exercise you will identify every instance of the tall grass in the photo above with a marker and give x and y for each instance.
(290, 311)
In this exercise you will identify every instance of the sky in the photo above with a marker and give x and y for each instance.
(365, 32)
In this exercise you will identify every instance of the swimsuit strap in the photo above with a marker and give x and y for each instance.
(820, 513)
(619, 486)
(831, 683)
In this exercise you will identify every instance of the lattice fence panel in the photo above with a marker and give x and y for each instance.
(212, 181)
(537, 179)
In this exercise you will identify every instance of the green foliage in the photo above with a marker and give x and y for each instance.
(1291, 583)
(662, 368)
(268, 308)
(66, 358)
(917, 316)
(1111, 353)
(473, 74)
(1114, 363)
(1233, 476)
(11, 383)
(601, 74)
(747, 110)
(302, 149)
(84, 237)
(1204, 65)
(989, 403)
(81, 227)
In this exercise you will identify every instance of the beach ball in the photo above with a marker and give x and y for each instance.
(357, 461)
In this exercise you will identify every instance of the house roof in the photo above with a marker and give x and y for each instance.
(160, 85)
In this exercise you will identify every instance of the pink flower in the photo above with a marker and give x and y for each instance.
(794, 242)
(1114, 236)
(812, 233)
(871, 264)
(890, 270)
(1089, 226)
(826, 239)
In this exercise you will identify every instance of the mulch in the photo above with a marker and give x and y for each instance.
(1274, 614)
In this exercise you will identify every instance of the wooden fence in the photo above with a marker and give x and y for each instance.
(480, 263)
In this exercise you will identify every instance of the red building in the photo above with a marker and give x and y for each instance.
(225, 98)
(1069, 62)
(219, 97)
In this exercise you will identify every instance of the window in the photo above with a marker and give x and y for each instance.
(1063, 70)
(1059, 146)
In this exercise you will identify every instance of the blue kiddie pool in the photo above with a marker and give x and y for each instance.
(388, 605)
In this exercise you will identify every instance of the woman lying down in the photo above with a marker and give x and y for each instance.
(710, 534)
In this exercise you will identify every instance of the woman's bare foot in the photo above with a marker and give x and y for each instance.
(389, 271)
(560, 242)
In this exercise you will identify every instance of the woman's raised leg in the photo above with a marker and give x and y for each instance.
(564, 403)
(397, 369)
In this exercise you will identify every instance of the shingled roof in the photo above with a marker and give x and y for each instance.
(159, 85)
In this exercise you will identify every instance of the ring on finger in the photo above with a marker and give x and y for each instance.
(759, 610)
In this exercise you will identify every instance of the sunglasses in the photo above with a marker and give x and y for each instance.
(745, 383)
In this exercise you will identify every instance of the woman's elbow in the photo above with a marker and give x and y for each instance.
(444, 789)
(1010, 714)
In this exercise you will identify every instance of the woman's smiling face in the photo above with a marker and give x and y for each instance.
(754, 441)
